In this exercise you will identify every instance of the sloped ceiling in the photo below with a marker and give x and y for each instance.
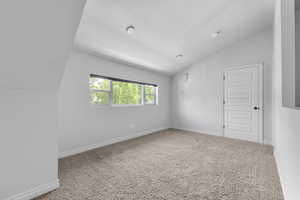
(167, 28)
(36, 36)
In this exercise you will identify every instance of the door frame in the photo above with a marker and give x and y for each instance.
(261, 98)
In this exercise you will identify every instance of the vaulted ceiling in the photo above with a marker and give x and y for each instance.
(166, 28)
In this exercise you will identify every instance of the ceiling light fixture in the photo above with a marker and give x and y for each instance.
(216, 34)
(130, 29)
(179, 56)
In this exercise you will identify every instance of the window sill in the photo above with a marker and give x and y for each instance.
(120, 106)
(126, 105)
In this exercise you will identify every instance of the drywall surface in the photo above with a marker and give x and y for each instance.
(28, 140)
(83, 124)
(198, 102)
(297, 61)
(288, 55)
(286, 124)
(36, 37)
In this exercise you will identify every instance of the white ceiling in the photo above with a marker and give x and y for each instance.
(165, 28)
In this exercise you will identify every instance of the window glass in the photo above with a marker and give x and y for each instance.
(99, 84)
(112, 91)
(149, 99)
(126, 93)
(149, 94)
(149, 90)
(99, 97)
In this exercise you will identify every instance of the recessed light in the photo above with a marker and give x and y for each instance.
(179, 56)
(130, 29)
(216, 34)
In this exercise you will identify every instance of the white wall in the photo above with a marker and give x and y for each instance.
(197, 104)
(297, 61)
(288, 71)
(286, 121)
(83, 125)
(35, 39)
(28, 140)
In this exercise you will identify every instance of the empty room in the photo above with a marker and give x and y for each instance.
(153, 100)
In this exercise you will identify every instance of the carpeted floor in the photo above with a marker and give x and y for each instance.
(171, 165)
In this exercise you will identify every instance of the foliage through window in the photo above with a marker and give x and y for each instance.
(149, 94)
(112, 91)
(126, 93)
(100, 90)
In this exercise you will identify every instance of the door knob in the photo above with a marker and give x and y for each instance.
(256, 108)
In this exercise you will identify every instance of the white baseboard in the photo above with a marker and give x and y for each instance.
(205, 132)
(107, 142)
(214, 133)
(36, 191)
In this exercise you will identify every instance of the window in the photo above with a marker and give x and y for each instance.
(149, 94)
(126, 93)
(99, 90)
(113, 91)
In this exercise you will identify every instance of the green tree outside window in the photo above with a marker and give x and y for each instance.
(104, 91)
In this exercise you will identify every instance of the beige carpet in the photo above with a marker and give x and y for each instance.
(171, 165)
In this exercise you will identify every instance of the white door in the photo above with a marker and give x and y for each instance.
(243, 103)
